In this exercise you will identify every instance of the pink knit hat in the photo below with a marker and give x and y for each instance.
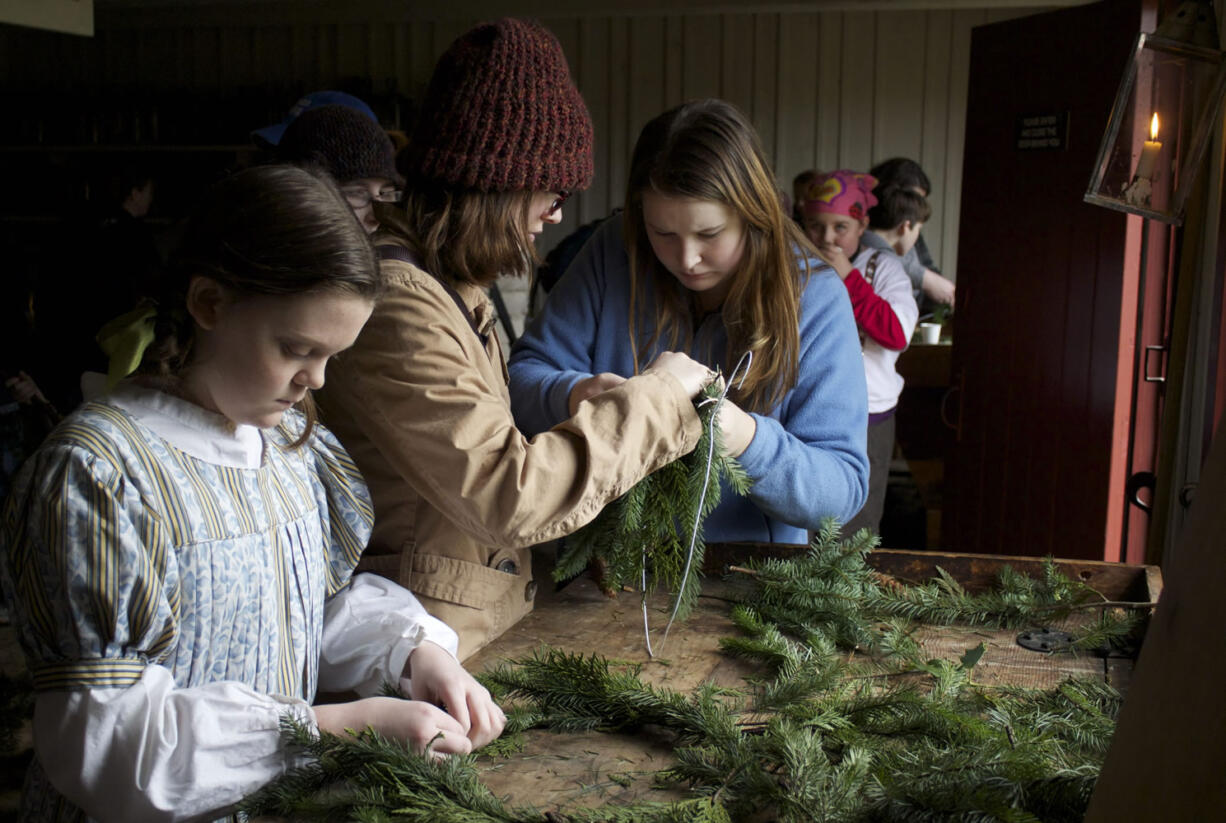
(841, 192)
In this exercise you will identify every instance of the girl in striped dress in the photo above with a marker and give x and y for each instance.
(180, 553)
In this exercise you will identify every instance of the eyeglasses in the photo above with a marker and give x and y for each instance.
(361, 198)
(557, 203)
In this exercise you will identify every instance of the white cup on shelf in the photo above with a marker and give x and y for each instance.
(930, 333)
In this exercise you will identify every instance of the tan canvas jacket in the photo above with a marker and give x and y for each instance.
(460, 494)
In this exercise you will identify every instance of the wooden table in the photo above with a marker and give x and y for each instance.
(556, 771)
(924, 425)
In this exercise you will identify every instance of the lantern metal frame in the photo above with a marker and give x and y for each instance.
(1163, 195)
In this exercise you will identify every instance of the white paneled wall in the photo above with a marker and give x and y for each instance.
(826, 89)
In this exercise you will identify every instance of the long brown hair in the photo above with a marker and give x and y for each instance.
(707, 150)
(268, 230)
(465, 235)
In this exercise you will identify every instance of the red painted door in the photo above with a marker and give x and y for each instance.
(1044, 289)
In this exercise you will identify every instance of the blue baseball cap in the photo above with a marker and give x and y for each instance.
(272, 134)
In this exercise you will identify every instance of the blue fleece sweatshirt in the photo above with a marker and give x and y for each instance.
(807, 458)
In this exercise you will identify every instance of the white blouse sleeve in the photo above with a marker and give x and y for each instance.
(152, 752)
(370, 629)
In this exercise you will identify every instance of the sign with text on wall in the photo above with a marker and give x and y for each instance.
(68, 16)
(1041, 132)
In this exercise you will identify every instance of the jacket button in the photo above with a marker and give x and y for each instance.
(530, 591)
(508, 566)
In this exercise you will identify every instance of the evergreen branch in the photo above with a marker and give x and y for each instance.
(589, 693)
(380, 779)
(636, 536)
(833, 737)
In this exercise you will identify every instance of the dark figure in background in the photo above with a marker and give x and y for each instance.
(26, 416)
(800, 185)
(929, 287)
(269, 137)
(112, 263)
(559, 258)
(124, 239)
(350, 147)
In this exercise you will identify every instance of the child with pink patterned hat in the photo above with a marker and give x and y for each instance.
(835, 217)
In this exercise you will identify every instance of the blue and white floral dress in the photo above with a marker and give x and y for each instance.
(179, 585)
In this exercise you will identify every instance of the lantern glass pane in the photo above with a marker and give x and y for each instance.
(1159, 126)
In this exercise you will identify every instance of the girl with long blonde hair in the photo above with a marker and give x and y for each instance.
(704, 260)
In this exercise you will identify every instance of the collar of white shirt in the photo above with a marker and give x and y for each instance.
(203, 434)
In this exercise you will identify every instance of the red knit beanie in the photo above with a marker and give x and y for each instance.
(502, 114)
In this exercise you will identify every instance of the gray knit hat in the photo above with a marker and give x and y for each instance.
(344, 142)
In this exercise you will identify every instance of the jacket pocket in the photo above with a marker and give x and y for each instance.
(507, 579)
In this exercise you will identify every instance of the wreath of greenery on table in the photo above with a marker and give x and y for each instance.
(818, 734)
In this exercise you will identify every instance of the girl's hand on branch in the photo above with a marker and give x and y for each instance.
(591, 387)
(433, 675)
(694, 376)
(736, 428)
(416, 724)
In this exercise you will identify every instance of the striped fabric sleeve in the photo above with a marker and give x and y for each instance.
(89, 572)
(345, 505)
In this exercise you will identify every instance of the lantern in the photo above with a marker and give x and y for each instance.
(1163, 118)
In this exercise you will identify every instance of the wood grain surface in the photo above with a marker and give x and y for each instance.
(557, 771)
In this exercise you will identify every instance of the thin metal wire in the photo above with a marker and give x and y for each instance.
(643, 585)
(747, 361)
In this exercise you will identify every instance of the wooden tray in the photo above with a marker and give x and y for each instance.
(558, 771)
(977, 572)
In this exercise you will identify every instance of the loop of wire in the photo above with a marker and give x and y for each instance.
(746, 361)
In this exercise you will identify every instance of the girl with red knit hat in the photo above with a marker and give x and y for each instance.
(836, 211)
(421, 400)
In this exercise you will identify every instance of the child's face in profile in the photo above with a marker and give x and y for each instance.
(544, 207)
(360, 195)
(256, 356)
(830, 231)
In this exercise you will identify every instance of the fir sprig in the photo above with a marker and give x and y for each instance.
(646, 534)
(368, 778)
(373, 780)
(573, 692)
(884, 734)
(833, 591)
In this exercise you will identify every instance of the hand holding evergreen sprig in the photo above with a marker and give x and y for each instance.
(651, 536)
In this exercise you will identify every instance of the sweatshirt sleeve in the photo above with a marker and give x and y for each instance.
(873, 313)
(809, 462)
(153, 752)
(556, 350)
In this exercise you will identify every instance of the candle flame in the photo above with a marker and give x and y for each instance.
(1153, 127)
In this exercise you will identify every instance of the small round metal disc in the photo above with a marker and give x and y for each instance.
(1045, 640)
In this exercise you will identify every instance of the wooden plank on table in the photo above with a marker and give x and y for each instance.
(977, 572)
(560, 771)
(1005, 662)
(557, 771)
